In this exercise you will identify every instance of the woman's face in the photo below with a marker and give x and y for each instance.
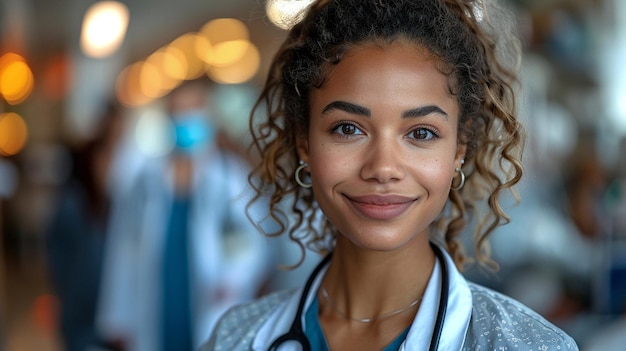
(382, 144)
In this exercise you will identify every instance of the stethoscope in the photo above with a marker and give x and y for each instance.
(296, 334)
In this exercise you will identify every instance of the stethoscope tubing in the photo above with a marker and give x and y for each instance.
(296, 333)
(443, 300)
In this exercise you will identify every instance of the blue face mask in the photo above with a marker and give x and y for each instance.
(193, 131)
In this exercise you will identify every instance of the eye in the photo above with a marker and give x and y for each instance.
(423, 134)
(346, 128)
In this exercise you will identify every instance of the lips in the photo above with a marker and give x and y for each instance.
(380, 207)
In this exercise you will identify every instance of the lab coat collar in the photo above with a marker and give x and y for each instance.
(455, 326)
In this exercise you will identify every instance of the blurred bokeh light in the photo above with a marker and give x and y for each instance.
(238, 71)
(187, 43)
(221, 49)
(104, 28)
(224, 41)
(13, 133)
(128, 86)
(286, 13)
(16, 78)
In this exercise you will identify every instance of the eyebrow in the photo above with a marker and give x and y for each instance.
(424, 111)
(347, 107)
(364, 111)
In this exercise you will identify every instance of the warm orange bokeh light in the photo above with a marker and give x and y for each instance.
(240, 71)
(222, 42)
(175, 63)
(127, 87)
(186, 43)
(221, 49)
(224, 29)
(152, 81)
(228, 53)
(16, 78)
(168, 67)
(8, 58)
(13, 133)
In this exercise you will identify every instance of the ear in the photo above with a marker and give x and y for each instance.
(460, 154)
(302, 147)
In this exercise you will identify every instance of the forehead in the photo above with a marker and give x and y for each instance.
(387, 71)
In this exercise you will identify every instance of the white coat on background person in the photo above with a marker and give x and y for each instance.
(228, 258)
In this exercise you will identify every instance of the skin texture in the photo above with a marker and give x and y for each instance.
(382, 151)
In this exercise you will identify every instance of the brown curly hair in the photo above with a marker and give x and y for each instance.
(480, 59)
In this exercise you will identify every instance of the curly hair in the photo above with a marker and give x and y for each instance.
(478, 57)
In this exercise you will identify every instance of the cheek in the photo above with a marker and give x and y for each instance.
(327, 166)
(437, 175)
(327, 159)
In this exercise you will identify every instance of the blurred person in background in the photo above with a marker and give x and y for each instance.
(77, 231)
(181, 249)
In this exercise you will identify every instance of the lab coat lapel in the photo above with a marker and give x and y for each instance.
(458, 312)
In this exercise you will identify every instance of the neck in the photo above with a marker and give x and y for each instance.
(366, 284)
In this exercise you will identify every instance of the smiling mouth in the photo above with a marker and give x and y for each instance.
(380, 207)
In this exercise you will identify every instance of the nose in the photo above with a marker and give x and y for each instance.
(383, 161)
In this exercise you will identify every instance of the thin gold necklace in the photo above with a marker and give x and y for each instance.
(366, 320)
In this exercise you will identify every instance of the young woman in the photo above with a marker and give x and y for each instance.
(389, 124)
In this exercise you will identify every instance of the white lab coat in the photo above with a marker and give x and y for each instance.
(476, 319)
(229, 258)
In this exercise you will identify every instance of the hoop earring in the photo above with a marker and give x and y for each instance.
(462, 182)
(296, 175)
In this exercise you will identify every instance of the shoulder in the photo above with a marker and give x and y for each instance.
(238, 326)
(500, 322)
